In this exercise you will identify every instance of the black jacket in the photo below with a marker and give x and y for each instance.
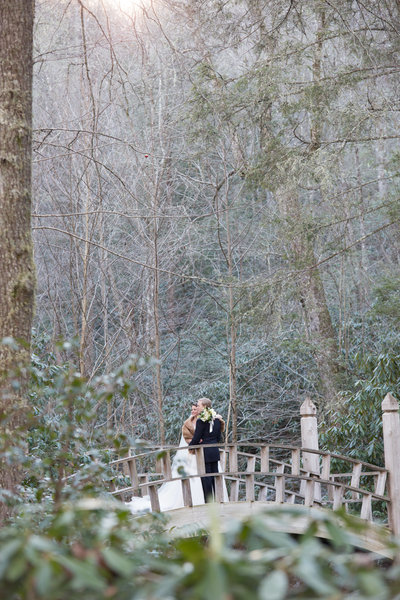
(202, 432)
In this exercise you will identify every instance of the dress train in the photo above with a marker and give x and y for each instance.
(170, 493)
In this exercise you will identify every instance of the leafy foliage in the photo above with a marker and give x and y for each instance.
(68, 538)
(97, 550)
(91, 547)
(355, 427)
(61, 447)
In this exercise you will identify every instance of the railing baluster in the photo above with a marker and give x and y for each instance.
(250, 468)
(154, 500)
(251, 463)
(142, 480)
(167, 464)
(250, 488)
(158, 465)
(279, 469)
(186, 492)
(222, 460)
(326, 467)
(355, 480)
(201, 467)
(219, 488)
(309, 492)
(233, 459)
(264, 454)
(296, 461)
(337, 496)
(380, 483)
(280, 488)
(133, 475)
(366, 507)
(326, 473)
(262, 493)
(234, 495)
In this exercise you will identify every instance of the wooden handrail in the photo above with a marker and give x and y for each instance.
(237, 474)
(225, 447)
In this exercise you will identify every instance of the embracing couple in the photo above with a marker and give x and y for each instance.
(205, 426)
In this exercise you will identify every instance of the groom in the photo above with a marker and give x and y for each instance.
(203, 435)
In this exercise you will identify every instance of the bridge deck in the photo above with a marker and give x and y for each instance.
(190, 521)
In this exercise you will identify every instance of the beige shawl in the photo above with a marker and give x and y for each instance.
(190, 425)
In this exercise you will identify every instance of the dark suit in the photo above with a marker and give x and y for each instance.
(211, 455)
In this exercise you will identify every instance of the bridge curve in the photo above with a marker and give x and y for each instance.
(272, 476)
(191, 521)
(264, 477)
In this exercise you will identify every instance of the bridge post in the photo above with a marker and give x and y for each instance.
(391, 442)
(309, 439)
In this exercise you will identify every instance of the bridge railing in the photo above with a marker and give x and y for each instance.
(283, 474)
(266, 473)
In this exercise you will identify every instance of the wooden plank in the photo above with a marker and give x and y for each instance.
(264, 455)
(219, 488)
(380, 483)
(143, 479)
(201, 467)
(280, 488)
(326, 467)
(355, 479)
(366, 507)
(166, 459)
(309, 492)
(296, 461)
(186, 492)
(223, 460)
(337, 496)
(250, 488)
(234, 495)
(262, 494)
(154, 500)
(133, 475)
(279, 469)
(251, 464)
(233, 459)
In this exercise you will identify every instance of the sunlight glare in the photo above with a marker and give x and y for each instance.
(130, 6)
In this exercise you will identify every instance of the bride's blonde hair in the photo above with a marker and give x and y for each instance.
(206, 402)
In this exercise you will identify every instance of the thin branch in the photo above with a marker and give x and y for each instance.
(132, 260)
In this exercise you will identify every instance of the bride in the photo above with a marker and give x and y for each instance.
(170, 493)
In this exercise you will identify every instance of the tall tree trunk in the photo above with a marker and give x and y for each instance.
(232, 333)
(311, 292)
(295, 230)
(157, 334)
(17, 274)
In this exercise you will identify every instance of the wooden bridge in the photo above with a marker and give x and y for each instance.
(261, 477)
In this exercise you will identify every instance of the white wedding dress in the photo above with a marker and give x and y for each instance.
(170, 493)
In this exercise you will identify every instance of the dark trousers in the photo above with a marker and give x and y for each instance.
(208, 483)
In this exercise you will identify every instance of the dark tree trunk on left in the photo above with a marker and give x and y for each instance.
(17, 274)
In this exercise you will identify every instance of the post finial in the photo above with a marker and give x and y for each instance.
(390, 404)
(308, 408)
